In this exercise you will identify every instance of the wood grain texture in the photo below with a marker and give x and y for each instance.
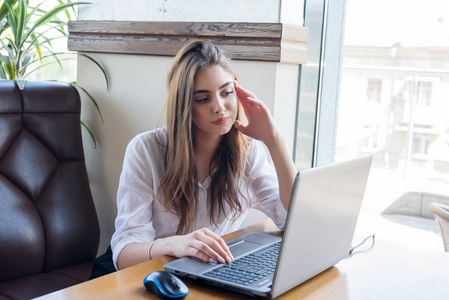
(275, 42)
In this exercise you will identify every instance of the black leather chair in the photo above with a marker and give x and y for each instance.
(49, 232)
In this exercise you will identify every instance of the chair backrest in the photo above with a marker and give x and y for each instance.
(48, 218)
(441, 212)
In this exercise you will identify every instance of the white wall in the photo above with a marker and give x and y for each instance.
(138, 86)
(269, 11)
(132, 105)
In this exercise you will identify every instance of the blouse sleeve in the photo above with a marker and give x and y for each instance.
(263, 184)
(134, 200)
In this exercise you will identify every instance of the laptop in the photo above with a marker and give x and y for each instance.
(319, 229)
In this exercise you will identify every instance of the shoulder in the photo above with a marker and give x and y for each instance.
(154, 138)
(150, 143)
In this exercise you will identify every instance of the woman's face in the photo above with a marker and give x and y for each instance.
(215, 102)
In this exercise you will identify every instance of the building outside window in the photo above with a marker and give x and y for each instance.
(393, 98)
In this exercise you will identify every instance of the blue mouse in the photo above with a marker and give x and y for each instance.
(165, 285)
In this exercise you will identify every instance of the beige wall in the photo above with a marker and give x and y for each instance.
(269, 11)
(138, 88)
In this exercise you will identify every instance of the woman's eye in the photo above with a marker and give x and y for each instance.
(201, 100)
(228, 93)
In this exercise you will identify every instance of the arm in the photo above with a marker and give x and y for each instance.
(261, 127)
(203, 244)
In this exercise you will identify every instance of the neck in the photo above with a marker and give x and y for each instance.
(205, 147)
(206, 144)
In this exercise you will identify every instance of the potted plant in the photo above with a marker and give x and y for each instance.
(26, 32)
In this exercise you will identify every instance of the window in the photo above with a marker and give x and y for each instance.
(420, 144)
(423, 94)
(374, 89)
(393, 104)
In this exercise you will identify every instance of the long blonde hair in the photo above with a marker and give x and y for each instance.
(179, 183)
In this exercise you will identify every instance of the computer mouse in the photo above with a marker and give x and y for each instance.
(165, 285)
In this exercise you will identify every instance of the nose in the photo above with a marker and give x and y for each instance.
(219, 105)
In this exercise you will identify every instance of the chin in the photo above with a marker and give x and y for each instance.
(223, 128)
(228, 128)
(224, 131)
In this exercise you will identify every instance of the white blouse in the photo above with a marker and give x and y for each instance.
(141, 216)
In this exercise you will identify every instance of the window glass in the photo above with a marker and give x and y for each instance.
(394, 102)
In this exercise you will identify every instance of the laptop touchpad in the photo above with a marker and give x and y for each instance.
(242, 247)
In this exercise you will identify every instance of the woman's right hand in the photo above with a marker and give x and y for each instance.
(203, 244)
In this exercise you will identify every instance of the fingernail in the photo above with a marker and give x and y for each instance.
(221, 259)
(212, 260)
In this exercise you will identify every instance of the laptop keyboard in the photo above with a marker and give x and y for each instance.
(250, 268)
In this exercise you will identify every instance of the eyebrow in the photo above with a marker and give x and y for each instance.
(207, 91)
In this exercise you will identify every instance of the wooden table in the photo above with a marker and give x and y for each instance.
(386, 271)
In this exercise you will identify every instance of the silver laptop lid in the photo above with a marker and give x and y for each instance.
(322, 217)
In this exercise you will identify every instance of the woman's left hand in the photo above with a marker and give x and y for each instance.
(261, 127)
(260, 123)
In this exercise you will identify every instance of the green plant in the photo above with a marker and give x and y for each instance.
(27, 32)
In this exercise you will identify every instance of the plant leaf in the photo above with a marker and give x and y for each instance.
(41, 66)
(35, 9)
(9, 61)
(2, 72)
(90, 133)
(91, 98)
(50, 14)
(32, 34)
(106, 77)
(34, 42)
(4, 11)
(10, 17)
(21, 22)
(27, 59)
(21, 83)
(8, 67)
(4, 62)
(50, 55)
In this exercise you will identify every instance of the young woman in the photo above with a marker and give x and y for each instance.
(184, 185)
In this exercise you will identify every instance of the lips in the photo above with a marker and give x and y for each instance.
(221, 121)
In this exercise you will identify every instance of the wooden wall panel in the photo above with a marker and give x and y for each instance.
(275, 42)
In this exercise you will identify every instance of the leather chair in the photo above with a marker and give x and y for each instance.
(49, 231)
